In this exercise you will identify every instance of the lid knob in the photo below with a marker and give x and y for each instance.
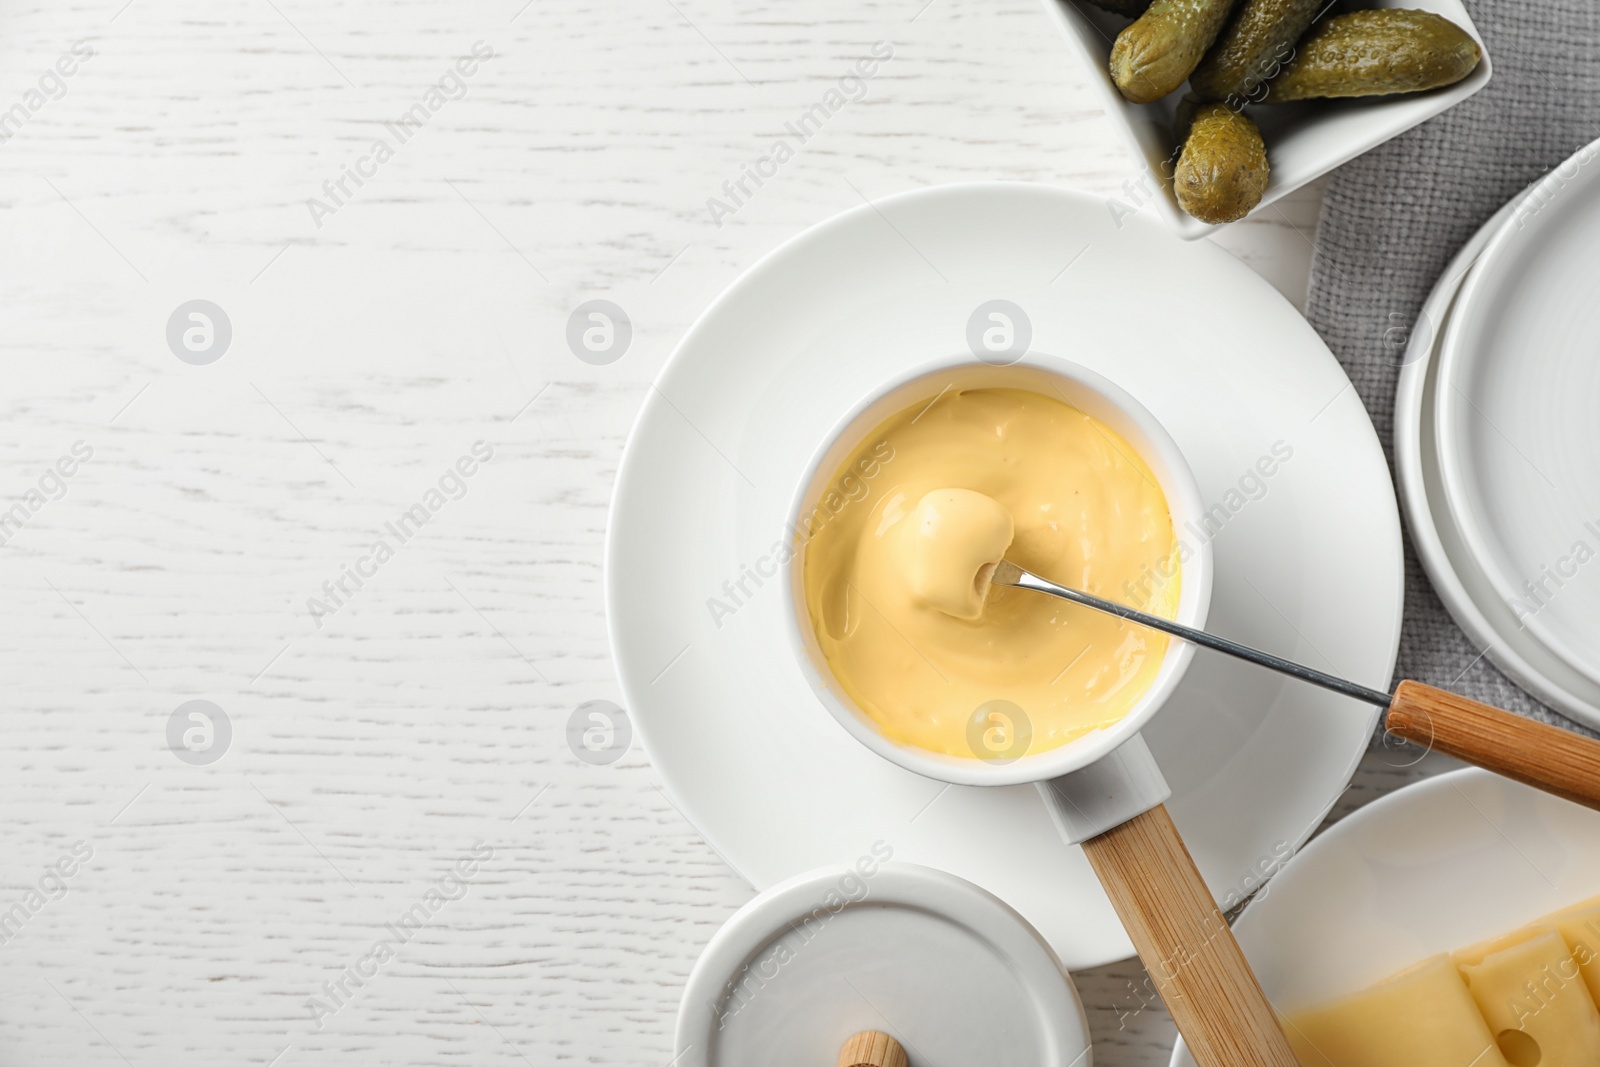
(872, 1048)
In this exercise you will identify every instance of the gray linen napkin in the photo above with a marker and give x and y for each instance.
(1394, 217)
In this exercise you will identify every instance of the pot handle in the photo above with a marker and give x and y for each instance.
(1169, 913)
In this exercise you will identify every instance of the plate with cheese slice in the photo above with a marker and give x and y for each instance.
(1455, 923)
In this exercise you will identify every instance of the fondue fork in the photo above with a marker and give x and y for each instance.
(1546, 757)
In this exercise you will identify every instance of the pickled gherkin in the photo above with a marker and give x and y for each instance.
(1254, 47)
(1158, 51)
(1222, 171)
(1373, 53)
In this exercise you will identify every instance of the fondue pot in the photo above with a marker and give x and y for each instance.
(1104, 789)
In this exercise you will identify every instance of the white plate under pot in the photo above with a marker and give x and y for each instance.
(1307, 557)
(1457, 578)
(1518, 437)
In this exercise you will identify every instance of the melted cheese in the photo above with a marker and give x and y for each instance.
(895, 610)
(952, 541)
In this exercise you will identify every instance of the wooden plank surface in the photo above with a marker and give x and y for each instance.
(401, 743)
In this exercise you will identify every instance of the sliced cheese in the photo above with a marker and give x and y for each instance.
(1535, 1001)
(1580, 927)
(1422, 1017)
(1475, 954)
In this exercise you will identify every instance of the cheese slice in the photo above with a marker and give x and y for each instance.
(1476, 954)
(1535, 1001)
(1422, 1017)
(1580, 927)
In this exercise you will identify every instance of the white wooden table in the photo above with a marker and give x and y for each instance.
(291, 902)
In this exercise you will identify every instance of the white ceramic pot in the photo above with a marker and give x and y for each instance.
(1103, 778)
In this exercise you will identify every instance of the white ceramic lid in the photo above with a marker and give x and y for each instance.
(944, 967)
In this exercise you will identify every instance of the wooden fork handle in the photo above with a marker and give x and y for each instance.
(1186, 944)
(1545, 757)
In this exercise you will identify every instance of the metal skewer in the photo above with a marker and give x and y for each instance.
(1543, 756)
(1007, 573)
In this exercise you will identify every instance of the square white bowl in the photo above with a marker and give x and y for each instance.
(1305, 140)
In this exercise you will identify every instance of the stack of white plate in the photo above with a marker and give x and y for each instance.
(1497, 438)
